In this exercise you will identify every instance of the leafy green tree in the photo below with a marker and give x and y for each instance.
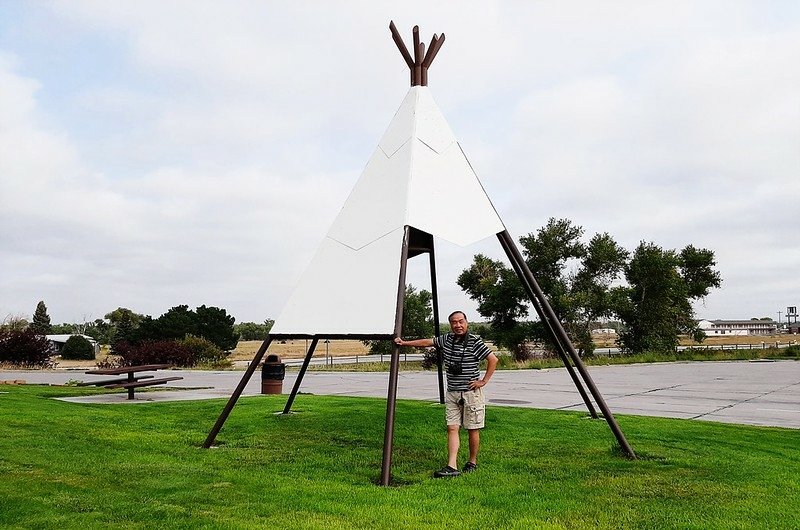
(120, 313)
(176, 323)
(64, 329)
(77, 348)
(14, 323)
(41, 320)
(211, 323)
(417, 321)
(215, 325)
(575, 277)
(252, 330)
(589, 296)
(656, 306)
(547, 253)
(100, 330)
(122, 323)
(124, 327)
(500, 298)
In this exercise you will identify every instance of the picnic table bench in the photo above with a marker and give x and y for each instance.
(133, 380)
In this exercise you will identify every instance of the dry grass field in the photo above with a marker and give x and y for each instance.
(755, 340)
(296, 349)
(340, 348)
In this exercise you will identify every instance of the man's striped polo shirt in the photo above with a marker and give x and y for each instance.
(467, 352)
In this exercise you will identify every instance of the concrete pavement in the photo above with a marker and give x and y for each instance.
(755, 393)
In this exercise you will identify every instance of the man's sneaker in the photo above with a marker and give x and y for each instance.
(469, 466)
(446, 471)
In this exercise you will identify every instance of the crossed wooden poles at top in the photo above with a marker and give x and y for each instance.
(421, 62)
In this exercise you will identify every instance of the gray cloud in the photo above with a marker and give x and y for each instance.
(207, 147)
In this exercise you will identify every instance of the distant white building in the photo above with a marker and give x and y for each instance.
(57, 342)
(738, 327)
(605, 331)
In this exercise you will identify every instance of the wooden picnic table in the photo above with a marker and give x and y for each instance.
(132, 381)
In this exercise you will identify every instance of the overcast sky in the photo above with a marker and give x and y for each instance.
(163, 153)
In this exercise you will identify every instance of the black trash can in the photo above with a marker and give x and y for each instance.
(272, 373)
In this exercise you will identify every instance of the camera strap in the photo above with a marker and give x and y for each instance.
(464, 342)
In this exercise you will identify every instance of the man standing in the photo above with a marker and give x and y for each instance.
(465, 405)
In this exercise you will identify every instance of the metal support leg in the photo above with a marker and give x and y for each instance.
(299, 379)
(391, 402)
(561, 336)
(394, 367)
(560, 349)
(236, 393)
(436, 325)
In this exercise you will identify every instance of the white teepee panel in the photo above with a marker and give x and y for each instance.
(377, 204)
(431, 127)
(445, 203)
(401, 128)
(346, 291)
(417, 176)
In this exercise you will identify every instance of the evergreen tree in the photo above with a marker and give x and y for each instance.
(41, 320)
(124, 327)
(217, 326)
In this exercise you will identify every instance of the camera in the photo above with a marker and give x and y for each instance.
(454, 369)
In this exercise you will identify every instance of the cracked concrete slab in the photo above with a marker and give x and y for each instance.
(756, 393)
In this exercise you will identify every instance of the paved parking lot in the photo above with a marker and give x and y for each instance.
(756, 393)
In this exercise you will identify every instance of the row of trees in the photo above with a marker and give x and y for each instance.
(124, 324)
(180, 336)
(650, 291)
(583, 283)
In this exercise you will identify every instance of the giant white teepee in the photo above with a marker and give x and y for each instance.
(418, 184)
(417, 176)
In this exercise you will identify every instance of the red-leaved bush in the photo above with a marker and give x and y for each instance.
(24, 348)
(155, 352)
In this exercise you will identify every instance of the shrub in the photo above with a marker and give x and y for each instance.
(24, 348)
(170, 352)
(205, 352)
(792, 351)
(430, 359)
(77, 348)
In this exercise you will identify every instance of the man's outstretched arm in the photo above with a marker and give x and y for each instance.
(418, 343)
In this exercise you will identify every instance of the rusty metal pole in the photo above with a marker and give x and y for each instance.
(437, 328)
(394, 368)
(417, 75)
(236, 393)
(436, 324)
(560, 349)
(561, 335)
(419, 64)
(300, 375)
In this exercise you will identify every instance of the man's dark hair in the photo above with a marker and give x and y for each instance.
(463, 314)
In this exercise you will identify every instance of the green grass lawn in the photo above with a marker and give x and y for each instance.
(66, 465)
